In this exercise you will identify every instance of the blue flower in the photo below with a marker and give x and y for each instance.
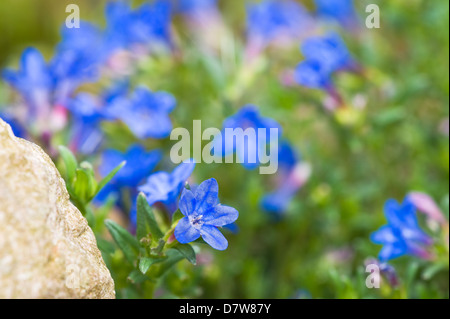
(270, 20)
(324, 56)
(139, 164)
(203, 214)
(33, 81)
(147, 24)
(402, 235)
(146, 113)
(87, 112)
(79, 56)
(165, 187)
(329, 51)
(312, 74)
(342, 11)
(247, 149)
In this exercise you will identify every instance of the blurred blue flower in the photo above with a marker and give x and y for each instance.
(271, 19)
(288, 157)
(33, 81)
(79, 57)
(17, 128)
(165, 187)
(203, 214)
(330, 51)
(324, 56)
(140, 164)
(247, 149)
(87, 112)
(402, 235)
(342, 11)
(148, 24)
(146, 113)
(313, 74)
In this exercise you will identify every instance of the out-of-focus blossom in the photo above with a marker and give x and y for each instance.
(34, 82)
(139, 164)
(146, 113)
(425, 204)
(87, 112)
(147, 25)
(324, 56)
(341, 11)
(78, 59)
(313, 74)
(402, 235)
(276, 21)
(203, 215)
(247, 149)
(165, 187)
(330, 51)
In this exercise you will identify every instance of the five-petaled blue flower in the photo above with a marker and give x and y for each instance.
(146, 113)
(402, 235)
(248, 148)
(203, 214)
(165, 187)
(342, 11)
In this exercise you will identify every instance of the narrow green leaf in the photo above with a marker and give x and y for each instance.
(145, 220)
(70, 162)
(146, 262)
(81, 185)
(433, 270)
(126, 242)
(188, 252)
(108, 178)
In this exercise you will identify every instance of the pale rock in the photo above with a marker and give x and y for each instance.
(47, 249)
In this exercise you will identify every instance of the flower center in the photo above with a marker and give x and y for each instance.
(196, 221)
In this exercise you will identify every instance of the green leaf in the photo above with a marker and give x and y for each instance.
(145, 220)
(70, 162)
(126, 242)
(81, 185)
(136, 277)
(177, 216)
(188, 252)
(173, 256)
(433, 270)
(108, 178)
(146, 262)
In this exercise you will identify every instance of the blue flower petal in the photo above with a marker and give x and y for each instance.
(220, 216)
(207, 196)
(187, 203)
(184, 232)
(214, 237)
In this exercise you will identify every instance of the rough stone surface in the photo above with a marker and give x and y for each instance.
(47, 249)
